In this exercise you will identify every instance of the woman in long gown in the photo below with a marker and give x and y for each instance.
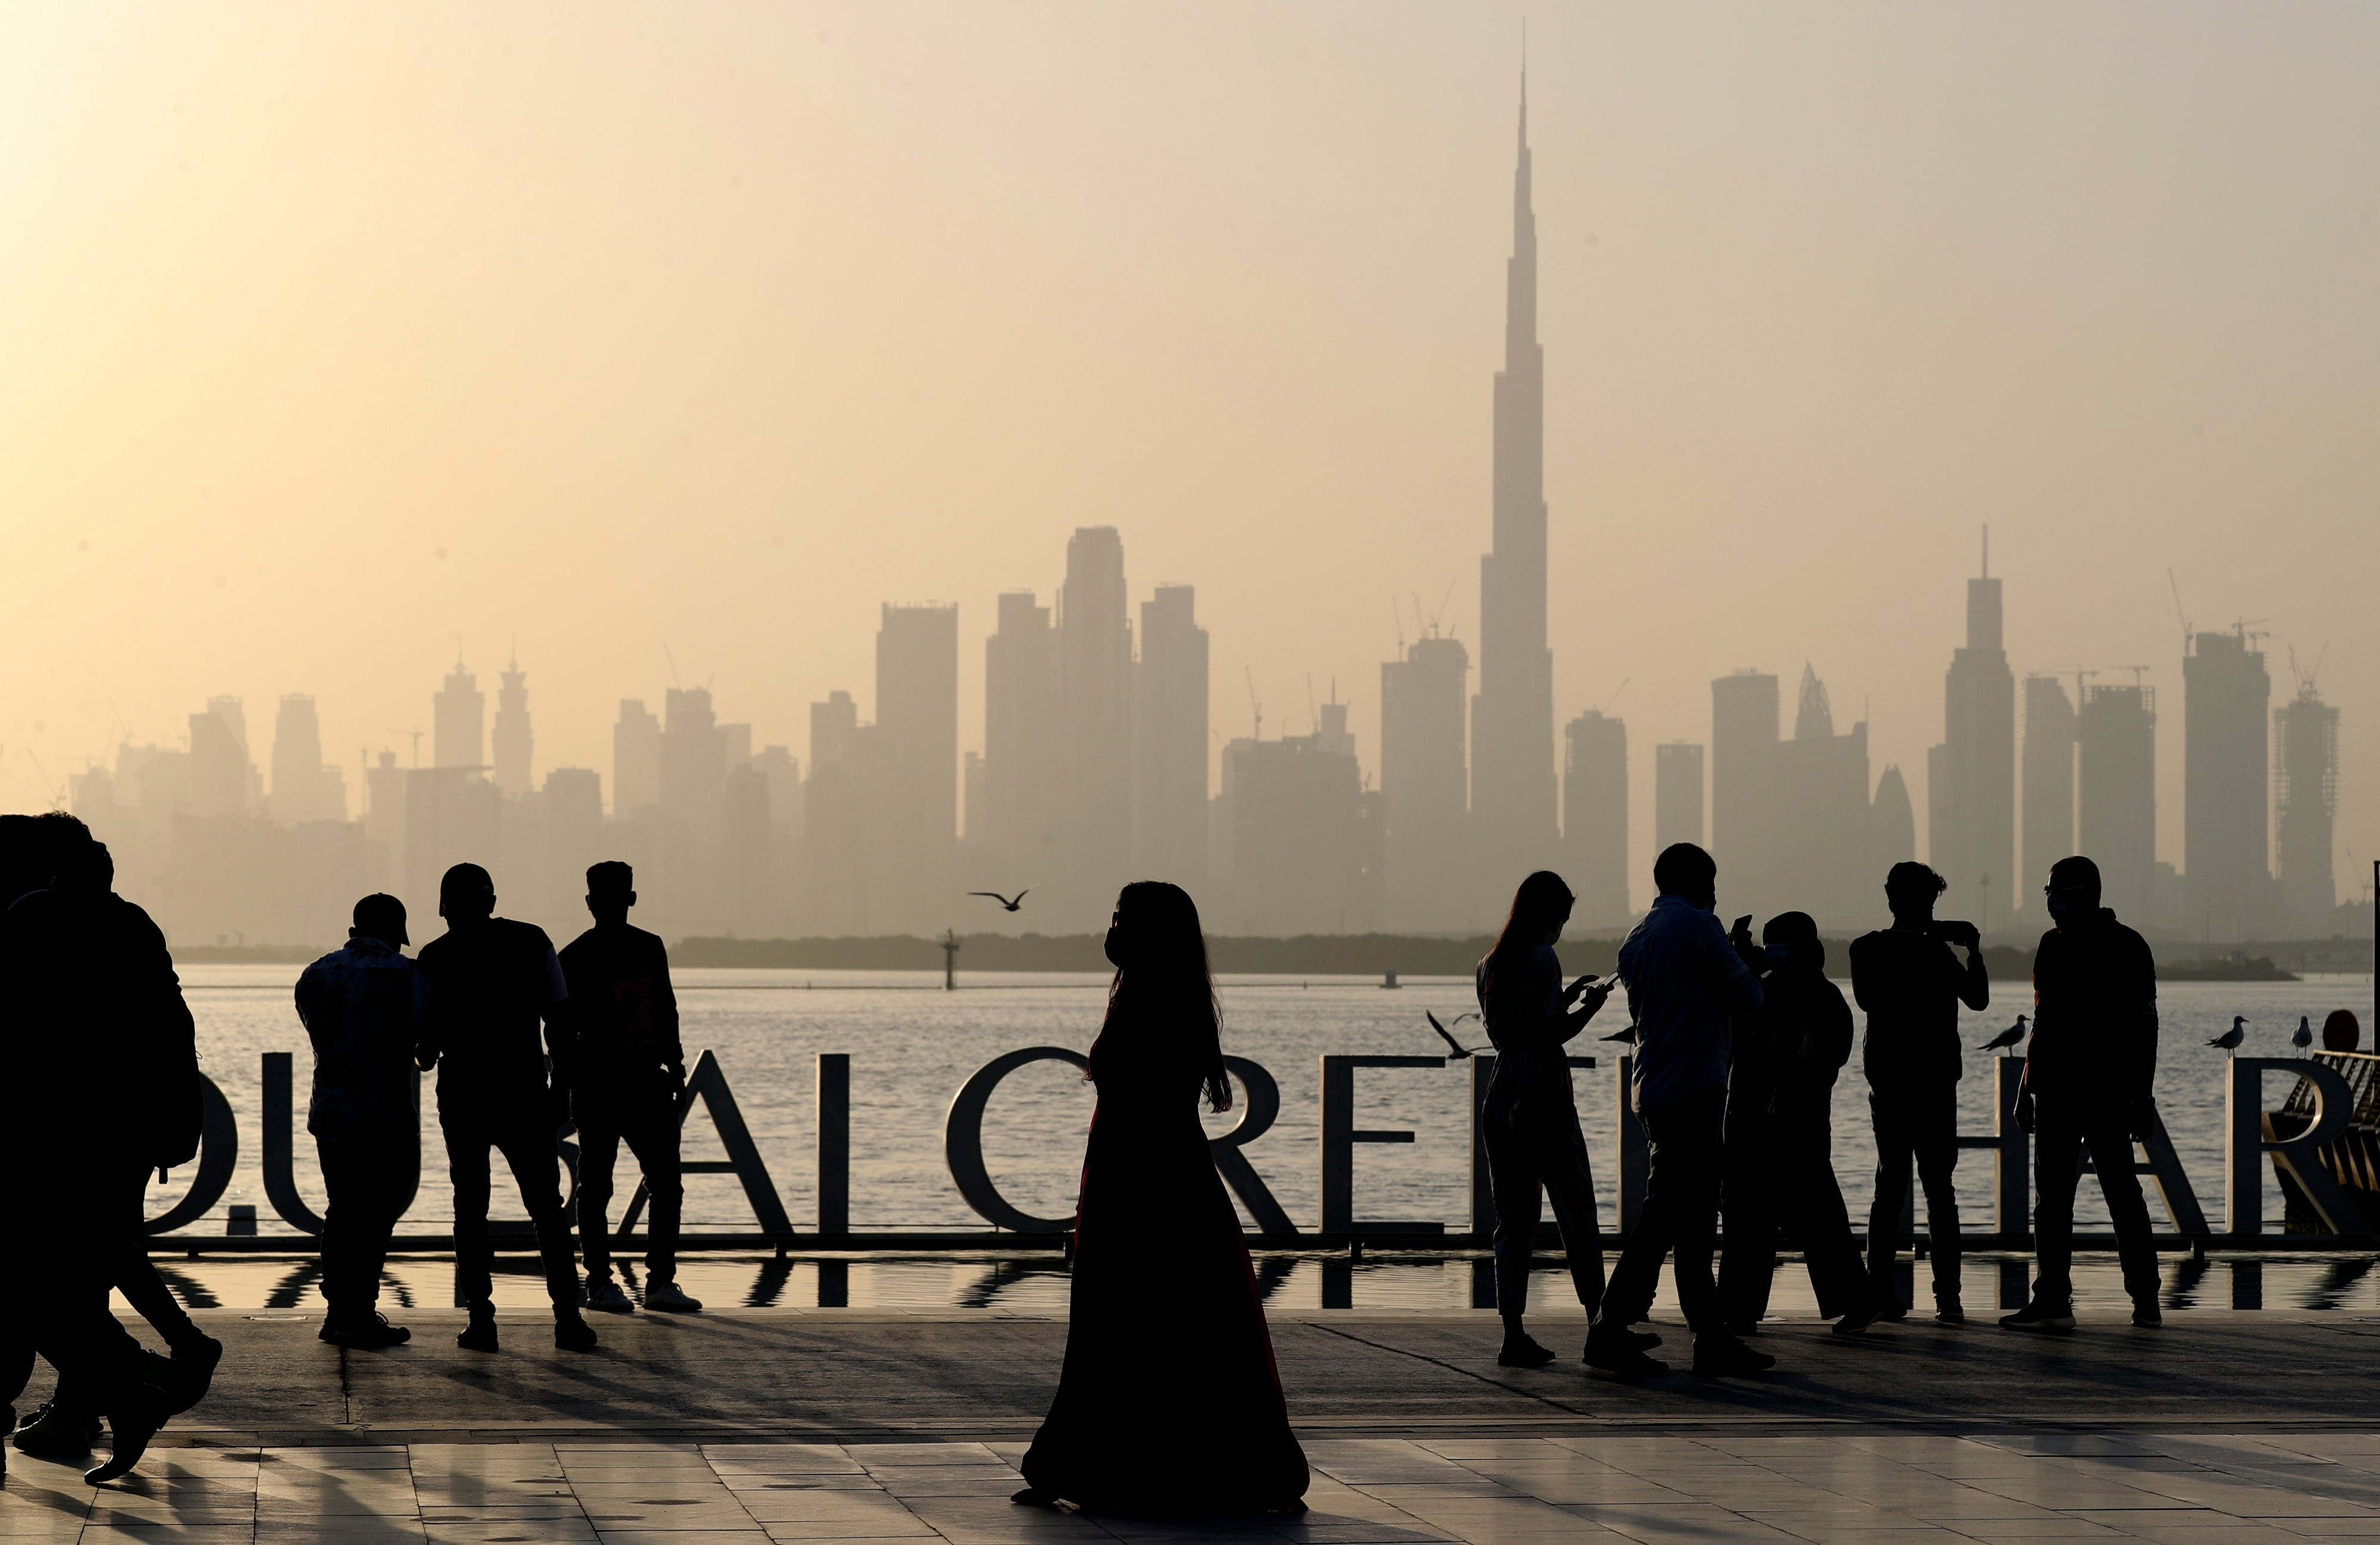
(1169, 1400)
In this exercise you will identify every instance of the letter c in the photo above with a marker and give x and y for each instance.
(962, 1140)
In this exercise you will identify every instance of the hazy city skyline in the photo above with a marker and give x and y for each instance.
(1870, 284)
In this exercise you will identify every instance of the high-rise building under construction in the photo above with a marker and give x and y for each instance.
(2226, 694)
(2305, 800)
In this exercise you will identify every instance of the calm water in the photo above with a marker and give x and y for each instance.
(913, 1045)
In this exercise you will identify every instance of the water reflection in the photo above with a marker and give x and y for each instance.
(1036, 1284)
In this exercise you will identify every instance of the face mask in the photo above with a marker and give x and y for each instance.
(1114, 949)
(1778, 955)
(2060, 908)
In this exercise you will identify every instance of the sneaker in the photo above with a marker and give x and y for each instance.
(1620, 1353)
(604, 1293)
(141, 1410)
(480, 1334)
(366, 1333)
(56, 1434)
(1855, 1324)
(663, 1294)
(2147, 1316)
(1891, 1309)
(2038, 1315)
(1949, 1313)
(1723, 1357)
(1522, 1350)
(572, 1333)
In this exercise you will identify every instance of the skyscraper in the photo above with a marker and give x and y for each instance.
(304, 789)
(2115, 737)
(513, 739)
(913, 787)
(1023, 744)
(1971, 797)
(1169, 739)
(460, 720)
(2305, 797)
(1677, 793)
(2048, 792)
(1594, 817)
(1891, 827)
(220, 774)
(1512, 791)
(1094, 706)
(635, 759)
(1820, 817)
(1744, 787)
(2226, 695)
(1424, 787)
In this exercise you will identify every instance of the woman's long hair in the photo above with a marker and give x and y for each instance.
(1542, 901)
(1162, 1004)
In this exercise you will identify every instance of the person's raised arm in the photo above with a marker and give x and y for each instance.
(1975, 978)
(1737, 983)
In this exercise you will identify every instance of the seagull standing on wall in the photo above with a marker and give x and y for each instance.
(2009, 1037)
(2229, 1039)
(2303, 1037)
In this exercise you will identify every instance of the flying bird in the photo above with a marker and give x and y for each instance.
(2304, 1036)
(2009, 1037)
(1004, 901)
(1455, 1049)
(2229, 1039)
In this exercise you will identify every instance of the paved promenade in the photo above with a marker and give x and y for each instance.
(869, 1425)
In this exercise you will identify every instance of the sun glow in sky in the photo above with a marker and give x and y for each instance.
(335, 339)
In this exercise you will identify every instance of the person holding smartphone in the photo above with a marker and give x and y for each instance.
(1529, 1119)
(1911, 984)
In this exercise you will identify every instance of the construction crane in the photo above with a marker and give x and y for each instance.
(1255, 707)
(2179, 610)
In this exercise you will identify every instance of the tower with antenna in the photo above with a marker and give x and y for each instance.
(1512, 782)
(1971, 797)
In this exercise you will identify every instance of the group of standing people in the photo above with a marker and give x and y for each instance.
(1737, 1048)
(527, 1041)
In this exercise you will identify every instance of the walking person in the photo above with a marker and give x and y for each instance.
(627, 1073)
(2089, 1073)
(1911, 984)
(1686, 985)
(364, 1009)
(1529, 1118)
(1780, 1140)
(103, 1087)
(494, 983)
(1169, 1400)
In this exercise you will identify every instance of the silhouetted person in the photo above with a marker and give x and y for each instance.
(1780, 1165)
(1685, 986)
(365, 1009)
(1911, 984)
(1529, 1120)
(492, 983)
(2089, 1072)
(1169, 1400)
(103, 1088)
(626, 1070)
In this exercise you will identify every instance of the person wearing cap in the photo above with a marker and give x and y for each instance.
(627, 1071)
(494, 984)
(364, 1008)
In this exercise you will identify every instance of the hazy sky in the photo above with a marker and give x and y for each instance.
(332, 336)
